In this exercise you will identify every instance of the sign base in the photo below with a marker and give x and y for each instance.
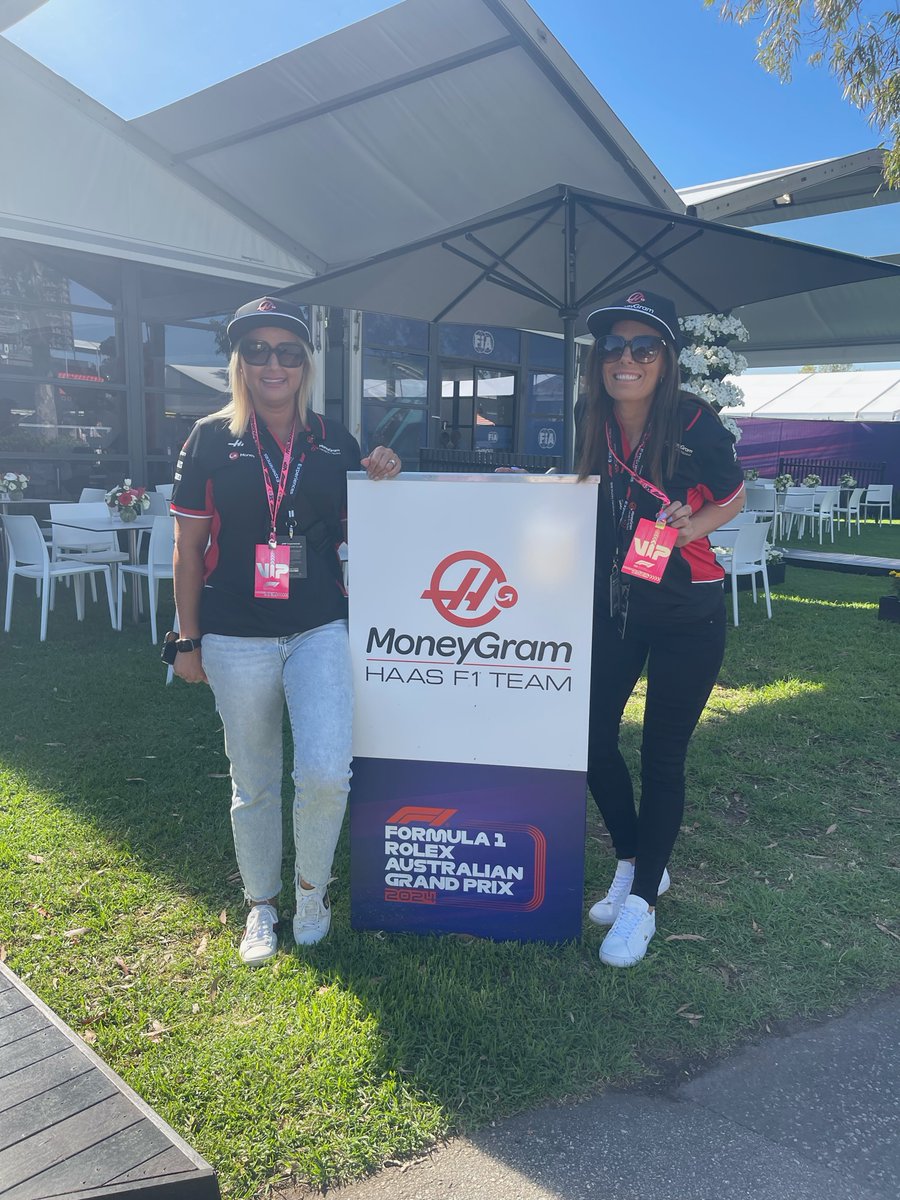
(493, 851)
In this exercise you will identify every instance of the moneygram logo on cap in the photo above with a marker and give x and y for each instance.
(469, 588)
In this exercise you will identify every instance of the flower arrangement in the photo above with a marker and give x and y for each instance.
(128, 501)
(847, 481)
(783, 482)
(13, 484)
(811, 481)
(751, 474)
(774, 554)
(894, 577)
(708, 364)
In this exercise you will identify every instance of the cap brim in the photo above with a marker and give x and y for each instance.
(241, 325)
(603, 319)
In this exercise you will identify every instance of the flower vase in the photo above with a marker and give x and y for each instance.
(127, 515)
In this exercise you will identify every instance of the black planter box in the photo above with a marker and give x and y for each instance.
(889, 609)
(775, 571)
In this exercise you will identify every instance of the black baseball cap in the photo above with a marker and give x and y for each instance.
(640, 306)
(267, 311)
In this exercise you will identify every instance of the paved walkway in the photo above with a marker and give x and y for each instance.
(829, 560)
(813, 1115)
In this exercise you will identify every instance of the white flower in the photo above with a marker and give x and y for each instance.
(732, 426)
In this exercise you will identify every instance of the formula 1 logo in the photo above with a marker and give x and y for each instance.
(473, 582)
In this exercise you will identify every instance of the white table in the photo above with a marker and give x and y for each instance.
(113, 523)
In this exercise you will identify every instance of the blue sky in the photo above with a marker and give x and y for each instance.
(685, 83)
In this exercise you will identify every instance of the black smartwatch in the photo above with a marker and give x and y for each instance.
(173, 644)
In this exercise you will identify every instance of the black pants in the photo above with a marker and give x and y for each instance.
(683, 663)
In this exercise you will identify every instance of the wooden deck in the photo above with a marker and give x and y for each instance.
(825, 560)
(70, 1127)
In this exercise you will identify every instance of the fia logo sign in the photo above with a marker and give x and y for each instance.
(483, 341)
(469, 588)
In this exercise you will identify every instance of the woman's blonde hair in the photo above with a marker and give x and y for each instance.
(237, 410)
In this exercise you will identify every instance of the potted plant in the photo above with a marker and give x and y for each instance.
(775, 564)
(811, 481)
(12, 485)
(889, 606)
(783, 482)
(129, 502)
(750, 474)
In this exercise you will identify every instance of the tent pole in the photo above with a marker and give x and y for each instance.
(568, 394)
(568, 313)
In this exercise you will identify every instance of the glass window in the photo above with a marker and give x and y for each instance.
(545, 392)
(193, 356)
(479, 341)
(399, 377)
(394, 332)
(396, 425)
(56, 343)
(170, 418)
(48, 276)
(63, 479)
(50, 418)
(545, 351)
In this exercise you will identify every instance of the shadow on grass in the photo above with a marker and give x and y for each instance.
(90, 722)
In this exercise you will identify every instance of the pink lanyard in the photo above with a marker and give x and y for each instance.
(274, 501)
(638, 479)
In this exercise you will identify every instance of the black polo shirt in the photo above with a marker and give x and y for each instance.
(706, 472)
(219, 476)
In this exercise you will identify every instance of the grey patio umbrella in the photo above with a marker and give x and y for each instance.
(551, 258)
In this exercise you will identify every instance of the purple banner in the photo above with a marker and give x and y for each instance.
(764, 441)
(493, 851)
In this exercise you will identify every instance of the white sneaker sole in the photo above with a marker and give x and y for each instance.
(623, 960)
(607, 916)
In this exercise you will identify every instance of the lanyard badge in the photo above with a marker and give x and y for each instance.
(273, 559)
(653, 542)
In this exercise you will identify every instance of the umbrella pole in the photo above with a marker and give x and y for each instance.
(568, 393)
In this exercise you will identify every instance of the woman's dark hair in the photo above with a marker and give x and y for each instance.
(665, 426)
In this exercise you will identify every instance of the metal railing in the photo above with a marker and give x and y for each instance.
(460, 462)
(831, 470)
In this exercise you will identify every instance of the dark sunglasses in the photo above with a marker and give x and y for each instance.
(644, 348)
(257, 354)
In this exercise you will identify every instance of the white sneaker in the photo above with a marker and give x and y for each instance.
(312, 919)
(605, 911)
(260, 940)
(627, 941)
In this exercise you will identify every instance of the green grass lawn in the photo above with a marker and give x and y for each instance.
(120, 906)
(880, 541)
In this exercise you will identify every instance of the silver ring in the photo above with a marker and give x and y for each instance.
(392, 462)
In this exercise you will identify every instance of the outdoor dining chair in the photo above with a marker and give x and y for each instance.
(850, 511)
(797, 505)
(879, 496)
(825, 504)
(91, 494)
(165, 489)
(747, 556)
(158, 566)
(29, 557)
(68, 543)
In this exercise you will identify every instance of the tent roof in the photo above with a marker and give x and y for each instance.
(806, 190)
(822, 396)
(123, 200)
(424, 115)
(13, 11)
(852, 323)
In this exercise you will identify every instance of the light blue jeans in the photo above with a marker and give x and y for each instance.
(251, 679)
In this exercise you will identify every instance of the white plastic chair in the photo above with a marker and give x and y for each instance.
(165, 489)
(747, 557)
(91, 494)
(28, 556)
(879, 496)
(850, 511)
(82, 544)
(825, 504)
(761, 500)
(798, 504)
(158, 566)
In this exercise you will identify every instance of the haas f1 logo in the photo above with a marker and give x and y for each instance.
(469, 589)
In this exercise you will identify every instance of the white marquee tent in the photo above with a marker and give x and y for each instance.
(821, 396)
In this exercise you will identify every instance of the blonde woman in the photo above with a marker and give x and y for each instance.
(259, 504)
